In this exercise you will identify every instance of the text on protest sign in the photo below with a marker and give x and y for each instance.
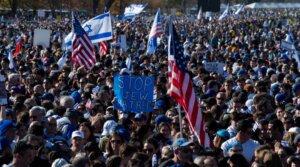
(214, 67)
(133, 93)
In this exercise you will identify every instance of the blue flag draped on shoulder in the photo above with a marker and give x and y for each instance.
(155, 31)
(133, 10)
(98, 29)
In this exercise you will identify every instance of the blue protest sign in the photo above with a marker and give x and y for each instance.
(133, 93)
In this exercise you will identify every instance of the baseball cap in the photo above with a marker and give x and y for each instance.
(224, 134)
(47, 96)
(162, 118)
(159, 104)
(5, 125)
(181, 142)
(294, 130)
(107, 126)
(77, 133)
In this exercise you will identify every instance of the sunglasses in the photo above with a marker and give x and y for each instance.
(116, 141)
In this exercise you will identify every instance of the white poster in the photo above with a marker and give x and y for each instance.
(214, 67)
(41, 13)
(123, 42)
(41, 37)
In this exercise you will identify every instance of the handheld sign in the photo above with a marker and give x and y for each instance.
(133, 93)
(214, 67)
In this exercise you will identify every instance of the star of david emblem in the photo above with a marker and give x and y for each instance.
(88, 28)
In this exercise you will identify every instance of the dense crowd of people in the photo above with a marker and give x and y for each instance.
(64, 116)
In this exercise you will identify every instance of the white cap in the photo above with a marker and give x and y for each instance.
(59, 162)
(125, 70)
(294, 130)
(77, 133)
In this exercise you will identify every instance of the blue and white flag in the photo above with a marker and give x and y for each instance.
(62, 61)
(98, 29)
(224, 14)
(128, 63)
(11, 60)
(240, 9)
(155, 31)
(134, 9)
(200, 13)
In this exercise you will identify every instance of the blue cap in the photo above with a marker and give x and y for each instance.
(162, 118)
(5, 125)
(47, 96)
(262, 70)
(236, 55)
(123, 64)
(223, 134)
(242, 72)
(210, 93)
(280, 97)
(76, 96)
(275, 89)
(181, 142)
(296, 87)
(159, 104)
(16, 89)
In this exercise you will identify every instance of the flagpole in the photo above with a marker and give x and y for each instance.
(180, 120)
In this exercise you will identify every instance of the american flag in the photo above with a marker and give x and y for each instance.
(181, 86)
(155, 31)
(103, 48)
(82, 47)
(156, 28)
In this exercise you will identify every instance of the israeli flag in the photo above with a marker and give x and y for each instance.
(62, 61)
(11, 60)
(199, 16)
(98, 29)
(134, 9)
(224, 14)
(128, 63)
(240, 9)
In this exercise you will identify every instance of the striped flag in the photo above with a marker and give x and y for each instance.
(155, 31)
(103, 48)
(82, 47)
(225, 14)
(181, 86)
(18, 47)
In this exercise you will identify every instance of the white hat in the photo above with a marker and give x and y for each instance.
(294, 130)
(107, 126)
(59, 162)
(77, 133)
(125, 71)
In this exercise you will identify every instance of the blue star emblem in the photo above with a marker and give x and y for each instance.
(88, 28)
